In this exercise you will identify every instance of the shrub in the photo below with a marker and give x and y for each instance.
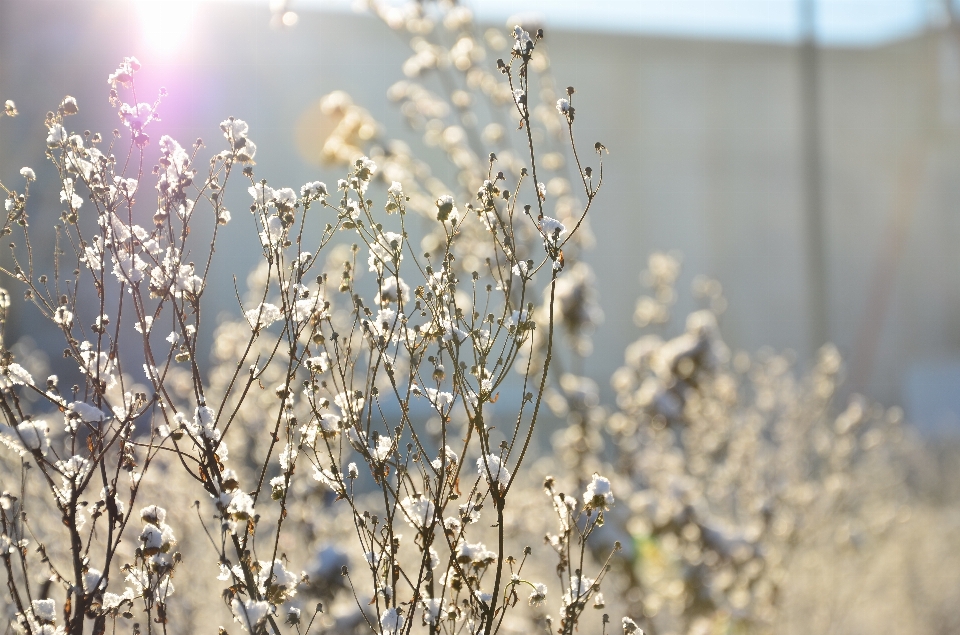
(357, 455)
(322, 373)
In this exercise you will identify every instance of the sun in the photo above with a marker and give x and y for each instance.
(165, 24)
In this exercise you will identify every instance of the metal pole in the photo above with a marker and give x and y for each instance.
(814, 213)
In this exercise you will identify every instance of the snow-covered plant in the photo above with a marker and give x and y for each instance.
(357, 455)
(735, 465)
(373, 401)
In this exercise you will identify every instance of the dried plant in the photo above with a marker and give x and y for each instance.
(735, 465)
(380, 383)
(381, 392)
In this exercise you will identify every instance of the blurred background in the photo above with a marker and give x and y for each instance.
(804, 153)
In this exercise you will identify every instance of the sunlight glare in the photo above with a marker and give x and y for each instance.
(165, 24)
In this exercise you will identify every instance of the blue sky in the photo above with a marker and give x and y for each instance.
(843, 22)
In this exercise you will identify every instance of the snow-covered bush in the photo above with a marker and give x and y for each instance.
(344, 446)
(359, 454)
